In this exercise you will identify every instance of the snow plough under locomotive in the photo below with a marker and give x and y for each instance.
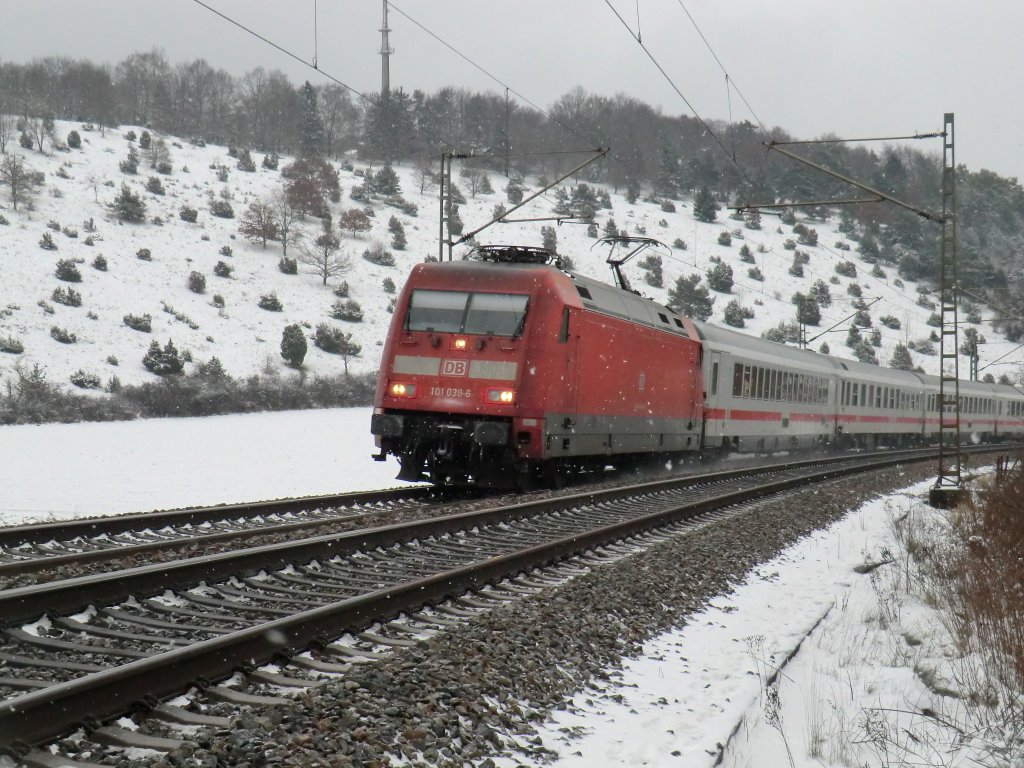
(505, 370)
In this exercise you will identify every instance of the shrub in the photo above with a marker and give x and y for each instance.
(745, 254)
(11, 345)
(796, 269)
(46, 242)
(288, 266)
(143, 324)
(63, 335)
(70, 232)
(782, 333)
(165, 168)
(890, 322)
(293, 346)
(225, 250)
(74, 140)
(349, 311)
(854, 289)
(112, 360)
(68, 297)
(197, 282)
(144, 254)
(67, 271)
(378, 255)
(3, 220)
(720, 278)
(934, 320)
(130, 164)
(222, 209)
(334, 341)
(342, 290)
(754, 273)
(270, 161)
(188, 214)
(245, 162)
(733, 314)
(220, 269)
(100, 263)
(668, 206)
(389, 285)
(128, 206)
(155, 186)
(724, 238)
(679, 244)
(846, 269)
(85, 380)
(163, 362)
(145, 140)
(270, 302)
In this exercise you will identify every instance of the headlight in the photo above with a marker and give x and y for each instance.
(402, 389)
(503, 396)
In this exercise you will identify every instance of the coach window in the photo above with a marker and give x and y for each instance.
(714, 378)
(747, 380)
(737, 380)
(776, 385)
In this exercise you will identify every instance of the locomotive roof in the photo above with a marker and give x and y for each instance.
(575, 289)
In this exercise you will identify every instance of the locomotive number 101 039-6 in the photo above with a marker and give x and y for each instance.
(451, 392)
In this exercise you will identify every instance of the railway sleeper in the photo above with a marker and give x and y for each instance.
(116, 736)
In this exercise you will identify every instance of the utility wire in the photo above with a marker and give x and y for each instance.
(722, 66)
(675, 87)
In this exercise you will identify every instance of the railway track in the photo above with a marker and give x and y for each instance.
(76, 544)
(94, 647)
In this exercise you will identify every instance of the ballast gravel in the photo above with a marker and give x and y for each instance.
(467, 694)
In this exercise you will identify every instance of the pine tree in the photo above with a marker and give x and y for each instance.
(705, 208)
(807, 309)
(689, 298)
(386, 182)
(128, 206)
(311, 136)
(550, 239)
(720, 278)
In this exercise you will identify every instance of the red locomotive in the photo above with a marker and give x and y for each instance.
(506, 369)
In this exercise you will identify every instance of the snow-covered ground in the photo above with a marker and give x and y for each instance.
(701, 690)
(60, 471)
(81, 183)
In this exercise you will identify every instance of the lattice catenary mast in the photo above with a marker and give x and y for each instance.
(385, 52)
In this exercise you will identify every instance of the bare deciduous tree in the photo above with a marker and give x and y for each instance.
(425, 175)
(258, 223)
(7, 126)
(323, 254)
(20, 181)
(286, 217)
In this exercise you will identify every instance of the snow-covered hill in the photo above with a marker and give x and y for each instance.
(80, 184)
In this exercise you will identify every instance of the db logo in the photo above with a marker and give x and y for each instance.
(454, 367)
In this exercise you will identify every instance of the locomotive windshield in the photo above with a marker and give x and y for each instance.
(491, 314)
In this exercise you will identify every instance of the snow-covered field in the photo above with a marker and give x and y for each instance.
(81, 183)
(59, 471)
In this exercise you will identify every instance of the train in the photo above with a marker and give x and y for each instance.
(505, 370)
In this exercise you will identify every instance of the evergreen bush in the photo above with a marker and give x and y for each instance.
(100, 263)
(270, 302)
(128, 206)
(197, 282)
(63, 335)
(46, 242)
(288, 266)
(293, 345)
(67, 271)
(349, 311)
(85, 380)
(720, 278)
(11, 345)
(144, 254)
(68, 297)
(222, 209)
(188, 214)
(163, 362)
(74, 140)
(379, 255)
(155, 186)
(143, 323)
(220, 269)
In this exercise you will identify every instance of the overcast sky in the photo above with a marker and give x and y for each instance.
(866, 68)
